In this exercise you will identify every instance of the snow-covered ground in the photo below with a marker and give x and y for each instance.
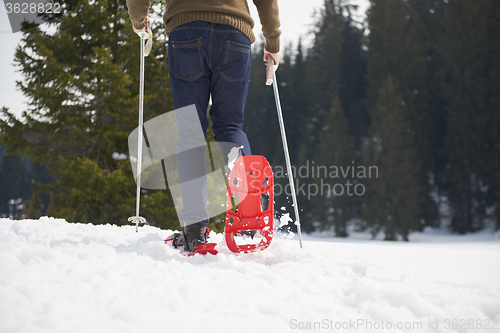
(62, 277)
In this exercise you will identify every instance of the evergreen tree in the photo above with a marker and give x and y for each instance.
(491, 167)
(335, 150)
(292, 82)
(82, 83)
(18, 176)
(324, 59)
(15, 184)
(353, 82)
(398, 47)
(468, 80)
(302, 100)
(323, 75)
(337, 75)
(392, 199)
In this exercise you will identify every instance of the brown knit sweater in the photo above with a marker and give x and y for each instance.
(231, 12)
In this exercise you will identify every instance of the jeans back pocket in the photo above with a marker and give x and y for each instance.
(188, 64)
(236, 61)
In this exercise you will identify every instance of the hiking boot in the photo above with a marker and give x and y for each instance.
(191, 236)
(194, 234)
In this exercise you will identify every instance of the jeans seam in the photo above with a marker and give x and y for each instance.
(209, 28)
(210, 46)
(189, 27)
(238, 47)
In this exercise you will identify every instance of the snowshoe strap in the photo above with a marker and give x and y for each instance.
(204, 249)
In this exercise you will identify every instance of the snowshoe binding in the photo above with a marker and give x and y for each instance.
(192, 240)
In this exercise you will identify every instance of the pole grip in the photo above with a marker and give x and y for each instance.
(270, 70)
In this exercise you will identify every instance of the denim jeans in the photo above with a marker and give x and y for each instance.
(208, 60)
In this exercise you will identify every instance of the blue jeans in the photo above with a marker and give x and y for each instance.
(212, 59)
(208, 59)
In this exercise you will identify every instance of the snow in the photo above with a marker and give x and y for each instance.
(118, 156)
(65, 277)
(284, 220)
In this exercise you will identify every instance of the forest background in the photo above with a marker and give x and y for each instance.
(391, 121)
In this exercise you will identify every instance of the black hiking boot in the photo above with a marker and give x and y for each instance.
(191, 236)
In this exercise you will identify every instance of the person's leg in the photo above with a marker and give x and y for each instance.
(190, 84)
(190, 76)
(231, 61)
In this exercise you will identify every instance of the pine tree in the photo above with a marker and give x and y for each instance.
(15, 184)
(392, 198)
(468, 80)
(82, 83)
(398, 47)
(491, 167)
(302, 87)
(353, 81)
(324, 59)
(335, 150)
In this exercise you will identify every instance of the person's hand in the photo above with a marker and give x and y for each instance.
(274, 59)
(145, 32)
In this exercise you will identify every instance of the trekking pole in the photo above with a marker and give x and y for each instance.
(139, 219)
(271, 78)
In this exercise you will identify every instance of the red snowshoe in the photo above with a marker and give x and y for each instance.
(250, 204)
